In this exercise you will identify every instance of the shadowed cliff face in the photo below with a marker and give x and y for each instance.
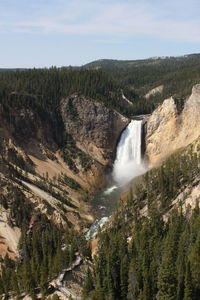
(94, 127)
(169, 129)
(30, 130)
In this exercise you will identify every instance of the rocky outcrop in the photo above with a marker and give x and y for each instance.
(172, 126)
(94, 127)
(153, 92)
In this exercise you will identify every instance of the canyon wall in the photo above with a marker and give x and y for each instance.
(173, 125)
(94, 127)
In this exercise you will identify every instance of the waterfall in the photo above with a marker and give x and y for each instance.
(128, 163)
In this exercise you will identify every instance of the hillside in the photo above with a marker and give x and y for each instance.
(57, 164)
(190, 59)
(133, 79)
(150, 248)
(51, 164)
(177, 75)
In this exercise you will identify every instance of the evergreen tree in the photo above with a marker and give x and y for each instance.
(88, 285)
(195, 266)
(133, 287)
(188, 284)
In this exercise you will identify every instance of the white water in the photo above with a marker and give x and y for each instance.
(109, 190)
(128, 163)
(92, 232)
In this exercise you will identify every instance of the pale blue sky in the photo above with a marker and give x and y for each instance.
(43, 33)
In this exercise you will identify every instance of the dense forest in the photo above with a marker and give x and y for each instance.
(176, 74)
(42, 89)
(154, 256)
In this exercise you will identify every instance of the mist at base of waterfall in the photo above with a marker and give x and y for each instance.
(123, 174)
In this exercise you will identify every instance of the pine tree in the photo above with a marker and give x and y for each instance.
(124, 276)
(180, 263)
(195, 264)
(188, 283)
(88, 285)
(133, 287)
(167, 282)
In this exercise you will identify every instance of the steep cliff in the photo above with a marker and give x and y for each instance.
(94, 127)
(173, 125)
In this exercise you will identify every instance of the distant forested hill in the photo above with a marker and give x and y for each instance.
(191, 59)
(177, 74)
(103, 80)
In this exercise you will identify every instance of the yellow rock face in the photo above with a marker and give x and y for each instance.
(168, 129)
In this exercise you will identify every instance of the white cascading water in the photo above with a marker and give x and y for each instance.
(128, 163)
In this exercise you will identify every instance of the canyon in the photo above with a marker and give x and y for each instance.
(93, 131)
(53, 163)
(46, 169)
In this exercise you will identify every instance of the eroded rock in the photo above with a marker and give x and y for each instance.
(94, 127)
(168, 129)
